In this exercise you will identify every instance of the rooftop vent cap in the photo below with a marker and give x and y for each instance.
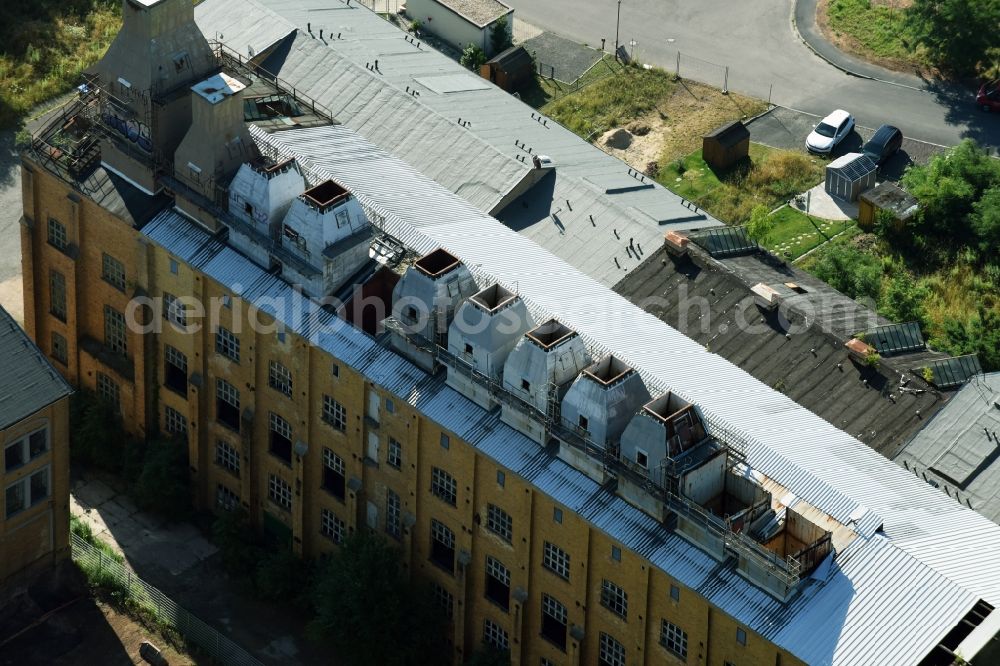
(325, 195)
(550, 334)
(493, 298)
(608, 370)
(437, 263)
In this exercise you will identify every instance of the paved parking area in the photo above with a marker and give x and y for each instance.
(787, 128)
(560, 58)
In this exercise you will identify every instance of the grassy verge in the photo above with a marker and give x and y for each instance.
(611, 101)
(543, 90)
(770, 179)
(874, 31)
(129, 599)
(45, 45)
(796, 233)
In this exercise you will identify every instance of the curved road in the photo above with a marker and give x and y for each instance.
(755, 38)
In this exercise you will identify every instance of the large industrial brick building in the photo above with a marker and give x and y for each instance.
(345, 344)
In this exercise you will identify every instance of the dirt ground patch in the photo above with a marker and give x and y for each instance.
(675, 128)
(84, 631)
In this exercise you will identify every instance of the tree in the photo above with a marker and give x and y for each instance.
(986, 221)
(97, 437)
(370, 613)
(472, 58)
(850, 271)
(948, 188)
(980, 335)
(959, 35)
(163, 485)
(903, 299)
(760, 225)
(500, 38)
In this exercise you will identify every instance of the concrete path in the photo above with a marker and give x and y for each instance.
(143, 539)
(183, 564)
(824, 206)
(764, 54)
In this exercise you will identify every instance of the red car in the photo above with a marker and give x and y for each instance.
(988, 98)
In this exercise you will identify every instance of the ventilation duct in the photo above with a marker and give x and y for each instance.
(327, 228)
(144, 78)
(538, 372)
(259, 196)
(215, 146)
(486, 328)
(424, 302)
(603, 400)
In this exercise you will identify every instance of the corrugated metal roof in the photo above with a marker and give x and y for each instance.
(956, 447)
(28, 382)
(946, 549)
(571, 212)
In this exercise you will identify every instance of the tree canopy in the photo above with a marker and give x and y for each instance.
(959, 35)
(369, 612)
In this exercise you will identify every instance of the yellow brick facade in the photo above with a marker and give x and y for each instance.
(37, 536)
(373, 419)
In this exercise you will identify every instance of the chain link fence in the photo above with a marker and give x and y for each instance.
(723, 77)
(100, 564)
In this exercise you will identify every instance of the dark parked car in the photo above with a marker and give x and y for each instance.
(988, 98)
(883, 144)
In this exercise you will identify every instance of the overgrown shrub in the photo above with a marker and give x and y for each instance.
(96, 435)
(472, 58)
(163, 485)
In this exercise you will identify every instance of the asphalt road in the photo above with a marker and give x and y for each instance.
(755, 39)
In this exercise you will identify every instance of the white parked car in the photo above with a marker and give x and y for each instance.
(831, 131)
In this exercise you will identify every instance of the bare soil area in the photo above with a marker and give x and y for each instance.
(676, 127)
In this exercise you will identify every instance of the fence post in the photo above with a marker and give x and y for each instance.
(677, 71)
(725, 82)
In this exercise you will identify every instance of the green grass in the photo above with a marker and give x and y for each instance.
(795, 233)
(612, 101)
(773, 177)
(874, 29)
(543, 90)
(45, 45)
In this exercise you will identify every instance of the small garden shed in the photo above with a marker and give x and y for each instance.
(510, 69)
(725, 146)
(886, 197)
(848, 176)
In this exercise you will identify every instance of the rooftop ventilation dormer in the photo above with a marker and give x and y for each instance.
(142, 86)
(214, 148)
(486, 328)
(663, 430)
(260, 195)
(603, 400)
(424, 302)
(326, 228)
(537, 375)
